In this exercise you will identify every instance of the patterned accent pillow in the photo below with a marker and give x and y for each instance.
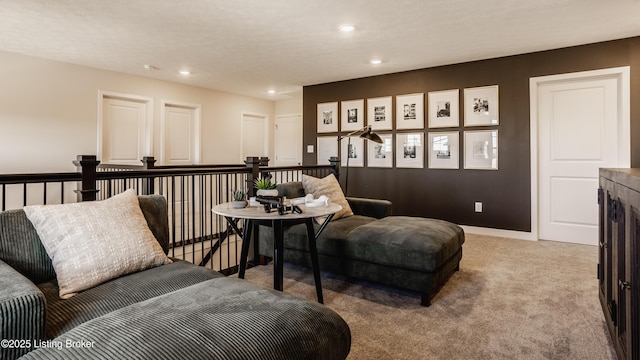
(329, 187)
(92, 242)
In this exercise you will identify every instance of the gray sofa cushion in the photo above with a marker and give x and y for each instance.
(291, 189)
(154, 209)
(63, 315)
(222, 318)
(21, 248)
(370, 207)
(22, 311)
(409, 242)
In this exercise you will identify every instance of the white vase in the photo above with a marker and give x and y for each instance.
(267, 192)
(239, 204)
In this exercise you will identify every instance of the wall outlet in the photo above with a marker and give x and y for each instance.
(478, 207)
(309, 149)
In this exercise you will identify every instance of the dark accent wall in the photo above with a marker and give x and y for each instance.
(450, 194)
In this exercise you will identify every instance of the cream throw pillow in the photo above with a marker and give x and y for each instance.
(92, 242)
(329, 187)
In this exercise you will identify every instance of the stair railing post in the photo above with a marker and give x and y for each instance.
(253, 163)
(335, 166)
(148, 183)
(87, 166)
(148, 162)
(264, 162)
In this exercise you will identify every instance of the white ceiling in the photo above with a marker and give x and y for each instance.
(250, 46)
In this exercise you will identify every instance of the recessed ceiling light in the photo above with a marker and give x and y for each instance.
(375, 61)
(346, 28)
(271, 91)
(148, 67)
(185, 72)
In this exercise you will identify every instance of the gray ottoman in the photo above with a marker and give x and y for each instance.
(409, 252)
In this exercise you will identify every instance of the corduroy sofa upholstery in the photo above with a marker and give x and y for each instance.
(173, 311)
(412, 253)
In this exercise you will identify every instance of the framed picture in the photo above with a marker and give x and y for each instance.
(379, 113)
(410, 111)
(409, 150)
(481, 149)
(444, 108)
(327, 147)
(327, 117)
(380, 155)
(444, 150)
(352, 115)
(481, 106)
(352, 150)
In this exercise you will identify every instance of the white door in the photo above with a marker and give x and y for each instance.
(583, 125)
(254, 135)
(180, 134)
(124, 132)
(288, 140)
(180, 145)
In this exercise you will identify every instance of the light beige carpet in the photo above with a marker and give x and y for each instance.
(511, 299)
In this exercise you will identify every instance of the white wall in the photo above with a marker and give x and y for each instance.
(291, 106)
(49, 113)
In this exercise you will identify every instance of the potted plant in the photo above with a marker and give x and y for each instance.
(239, 199)
(265, 187)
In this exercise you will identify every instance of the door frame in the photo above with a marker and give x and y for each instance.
(197, 108)
(242, 132)
(148, 126)
(624, 131)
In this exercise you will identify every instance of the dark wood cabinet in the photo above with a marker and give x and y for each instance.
(618, 257)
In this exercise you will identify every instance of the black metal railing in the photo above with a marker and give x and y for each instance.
(19, 190)
(196, 234)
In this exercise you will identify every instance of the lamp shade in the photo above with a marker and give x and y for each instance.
(371, 136)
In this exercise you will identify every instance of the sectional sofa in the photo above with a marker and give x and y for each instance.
(170, 309)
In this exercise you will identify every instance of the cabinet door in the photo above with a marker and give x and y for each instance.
(633, 287)
(601, 241)
(609, 305)
(622, 294)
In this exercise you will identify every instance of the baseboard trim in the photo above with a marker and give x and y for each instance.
(512, 234)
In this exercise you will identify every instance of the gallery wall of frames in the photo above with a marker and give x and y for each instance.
(452, 135)
(424, 135)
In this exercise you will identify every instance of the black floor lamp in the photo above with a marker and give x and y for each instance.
(366, 133)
